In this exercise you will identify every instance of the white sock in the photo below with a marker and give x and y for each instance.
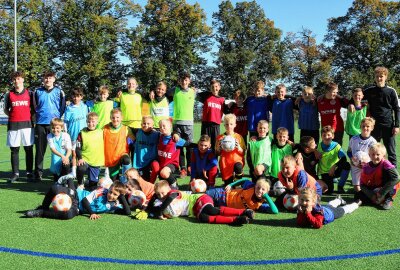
(74, 171)
(106, 173)
(349, 208)
(335, 203)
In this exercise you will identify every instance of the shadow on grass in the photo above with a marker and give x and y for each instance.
(284, 223)
(23, 185)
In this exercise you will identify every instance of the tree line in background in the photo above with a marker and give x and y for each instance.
(94, 42)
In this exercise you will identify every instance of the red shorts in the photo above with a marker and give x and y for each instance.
(200, 203)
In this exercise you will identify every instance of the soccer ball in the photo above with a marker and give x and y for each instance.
(361, 157)
(61, 202)
(174, 209)
(137, 198)
(278, 189)
(198, 186)
(290, 202)
(228, 143)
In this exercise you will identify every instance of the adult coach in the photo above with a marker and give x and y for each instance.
(383, 105)
(49, 102)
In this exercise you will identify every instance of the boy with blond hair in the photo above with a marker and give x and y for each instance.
(259, 152)
(230, 163)
(102, 106)
(61, 149)
(358, 150)
(332, 163)
(90, 151)
(379, 179)
(308, 114)
(117, 138)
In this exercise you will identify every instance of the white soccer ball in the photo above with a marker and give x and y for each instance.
(174, 209)
(278, 188)
(198, 186)
(61, 202)
(290, 202)
(361, 157)
(228, 143)
(137, 198)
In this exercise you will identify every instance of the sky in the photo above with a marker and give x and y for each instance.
(292, 15)
(288, 15)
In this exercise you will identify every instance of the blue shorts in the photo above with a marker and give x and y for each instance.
(218, 195)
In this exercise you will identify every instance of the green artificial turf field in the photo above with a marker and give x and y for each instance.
(118, 242)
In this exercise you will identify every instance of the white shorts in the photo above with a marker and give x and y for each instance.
(355, 175)
(25, 135)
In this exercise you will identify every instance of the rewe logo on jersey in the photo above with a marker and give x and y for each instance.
(20, 103)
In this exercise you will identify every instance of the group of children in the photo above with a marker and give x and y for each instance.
(153, 145)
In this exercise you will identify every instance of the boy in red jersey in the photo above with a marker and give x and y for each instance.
(240, 111)
(213, 109)
(329, 108)
(19, 108)
(168, 151)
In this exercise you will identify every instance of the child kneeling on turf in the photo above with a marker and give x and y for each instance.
(379, 179)
(259, 152)
(204, 162)
(312, 214)
(230, 163)
(61, 149)
(251, 196)
(168, 151)
(175, 203)
(333, 161)
(117, 138)
(90, 151)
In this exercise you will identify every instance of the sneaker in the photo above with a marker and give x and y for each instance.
(29, 177)
(342, 202)
(341, 190)
(38, 177)
(388, 204)
(183, 173)
(249, 213)
(34, 213)
(241, 220)
(13, 179)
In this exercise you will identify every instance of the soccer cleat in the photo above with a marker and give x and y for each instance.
(241, 220)
(249, 213)
(183, 173)
(358, 201)
(342, 202)
(29, 177)
(34, 213)
(13, 179)
(388, 204)
(38, 177)
(341, 190)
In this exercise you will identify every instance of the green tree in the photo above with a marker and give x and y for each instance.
(308, 64)
(171, 36)
(87, 39)
(33, 53)
(366, 37)
(249, 45)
